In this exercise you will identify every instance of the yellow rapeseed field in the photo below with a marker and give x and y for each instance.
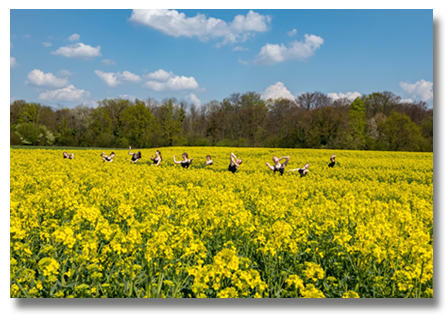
(88, 228)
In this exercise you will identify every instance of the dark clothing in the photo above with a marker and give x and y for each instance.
(301, 172)
(185, 164)
(331, 164)
(281, 170)
(135, 157)
(232, 168)
(155, 160)
(107, 158)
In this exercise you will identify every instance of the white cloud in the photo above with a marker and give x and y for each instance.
(64, 73)
(292, 32)
(115, 78)
(39, 78)
(78, 50)
(160, 75)
(173, 23)
(108, 62)
(242, 62)
(274, 53)
(193, 99)
(74, 37)
(407, 100)
(174, 84)
(420, 90)
(13, 62)
(278, 90)
(348, 95)
(46, 44)
(239, 48)
(69, 93)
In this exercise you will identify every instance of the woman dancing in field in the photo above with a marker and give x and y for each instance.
(302, 171)
(107, 158)
(278, 167)
(208, 160)
(68, 156)
(185, 163)
(332, 161)
(157, 159)
(135, 156)
(234, 163)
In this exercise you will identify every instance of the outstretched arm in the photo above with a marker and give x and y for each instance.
(129, 152)
(286, 158)
(297, 169)
(270, 167)
(135, 161)
(174, 159)
(158, 162)
(233, 158)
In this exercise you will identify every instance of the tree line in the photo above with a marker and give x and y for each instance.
(378, 121)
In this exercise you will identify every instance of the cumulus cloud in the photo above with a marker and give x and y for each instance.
(78, 50)
(41, 79)
(64, 73)
(292, 32)
(242, 62)
(193, 99)
(407, 100)
(46, 44)
(69, 93)
(12, 62)
(108, 62)
(174, 84)
(348, 95)
(176, 24)
(115, 78)
(275, 53)
(278, 90)
(74, 37)
(421, 90)
(160, 75)
(239, 48)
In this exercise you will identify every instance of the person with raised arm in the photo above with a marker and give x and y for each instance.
(135, 156)
(68, 156)
(302, 171)
(208, 160)
(278, 166)
(157, 159)
(185, 163)
(106, 158)
(234, 163)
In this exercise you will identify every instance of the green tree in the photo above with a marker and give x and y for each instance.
(357, 124)
(170, 116)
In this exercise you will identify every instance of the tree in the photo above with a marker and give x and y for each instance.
(170, 116)
(357, 122)
(311, 101)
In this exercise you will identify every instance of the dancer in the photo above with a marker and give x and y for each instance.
(68, 156)
(135, 156)
(302, 171)
(208, 160)
(185, 163)
(107, 158)
(278, 167)
(234, 163)
(157, 159)
(332, 161)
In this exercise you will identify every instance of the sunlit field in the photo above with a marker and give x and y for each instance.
(85, 228)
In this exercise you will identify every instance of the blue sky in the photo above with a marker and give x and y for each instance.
(70, 57)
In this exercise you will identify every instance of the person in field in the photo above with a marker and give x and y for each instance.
(278, 166)
(157, 159)
(68, 156)
(135, 156)
(235, 163)
(332, 161)
(109, 158)
(208, 160)
(185, 163)
(302, 171)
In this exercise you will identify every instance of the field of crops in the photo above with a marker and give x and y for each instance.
(84, 228)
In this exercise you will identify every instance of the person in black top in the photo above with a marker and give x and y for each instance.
(302, 171)
(278, 167)
(333, 161)
(208, 160)
(185, 163)
(234, 163)
(68, 156)
(135, 156)
(107, 158)
(157, 159)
